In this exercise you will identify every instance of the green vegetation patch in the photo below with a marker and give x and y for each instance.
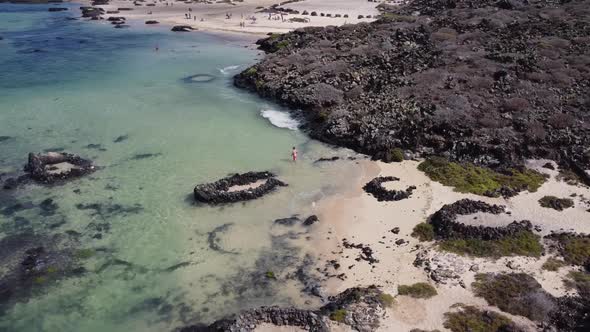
(472, 319)
(386, 300)
(574, 249)
(270, 275)
(394, 155)
(84, 253)
(515, 293)
(553, 264)
(280, 45)
(251, 71)
(468, 178)
(39, 280)
(423, 232)
(580, 281)
(338, 315)
(556, 203)
(421, 290)
(523, 243)
(51, 270)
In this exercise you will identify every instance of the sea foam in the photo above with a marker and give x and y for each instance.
(227, 70)
(280, 119)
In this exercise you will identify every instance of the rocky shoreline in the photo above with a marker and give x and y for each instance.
(359, 308)
(492, 82)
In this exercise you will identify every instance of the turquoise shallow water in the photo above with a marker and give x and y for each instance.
(78, 86)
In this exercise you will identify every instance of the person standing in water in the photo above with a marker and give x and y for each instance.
(294, 154)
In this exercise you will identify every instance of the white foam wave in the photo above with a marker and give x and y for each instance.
(280, 119)
(227, 70)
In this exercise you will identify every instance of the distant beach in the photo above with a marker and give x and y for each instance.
(257, 17)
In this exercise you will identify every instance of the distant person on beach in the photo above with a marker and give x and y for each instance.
(294, 154)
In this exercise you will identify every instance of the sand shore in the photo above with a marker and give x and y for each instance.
(245, 17)
(361, 219)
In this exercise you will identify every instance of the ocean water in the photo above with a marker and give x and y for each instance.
(154, 260)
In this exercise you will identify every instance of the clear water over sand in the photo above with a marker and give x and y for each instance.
(106, 94)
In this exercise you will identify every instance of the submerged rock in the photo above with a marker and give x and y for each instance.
(291, 221)
(219, 192)
(121, 138)
(51, 167)
(32, 261)
(198, 78)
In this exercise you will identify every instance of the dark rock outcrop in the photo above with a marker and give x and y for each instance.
(360, 308)
(182, 28)
(219, 192)
(556, 203)
(151, 22)
(310, 220)
(444, 222)
(51, 167)
(246, 321)
(375, 188)
(116, 19)
(93, 13)
(474, 80)
(57, 9)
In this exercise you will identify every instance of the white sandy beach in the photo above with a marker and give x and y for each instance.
(361, 219)
(226, 16)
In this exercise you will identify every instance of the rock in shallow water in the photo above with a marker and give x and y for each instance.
(182, 28)
(219, 192)
(360, 308)
(51, 167)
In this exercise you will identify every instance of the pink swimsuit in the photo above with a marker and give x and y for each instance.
(294, 155)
